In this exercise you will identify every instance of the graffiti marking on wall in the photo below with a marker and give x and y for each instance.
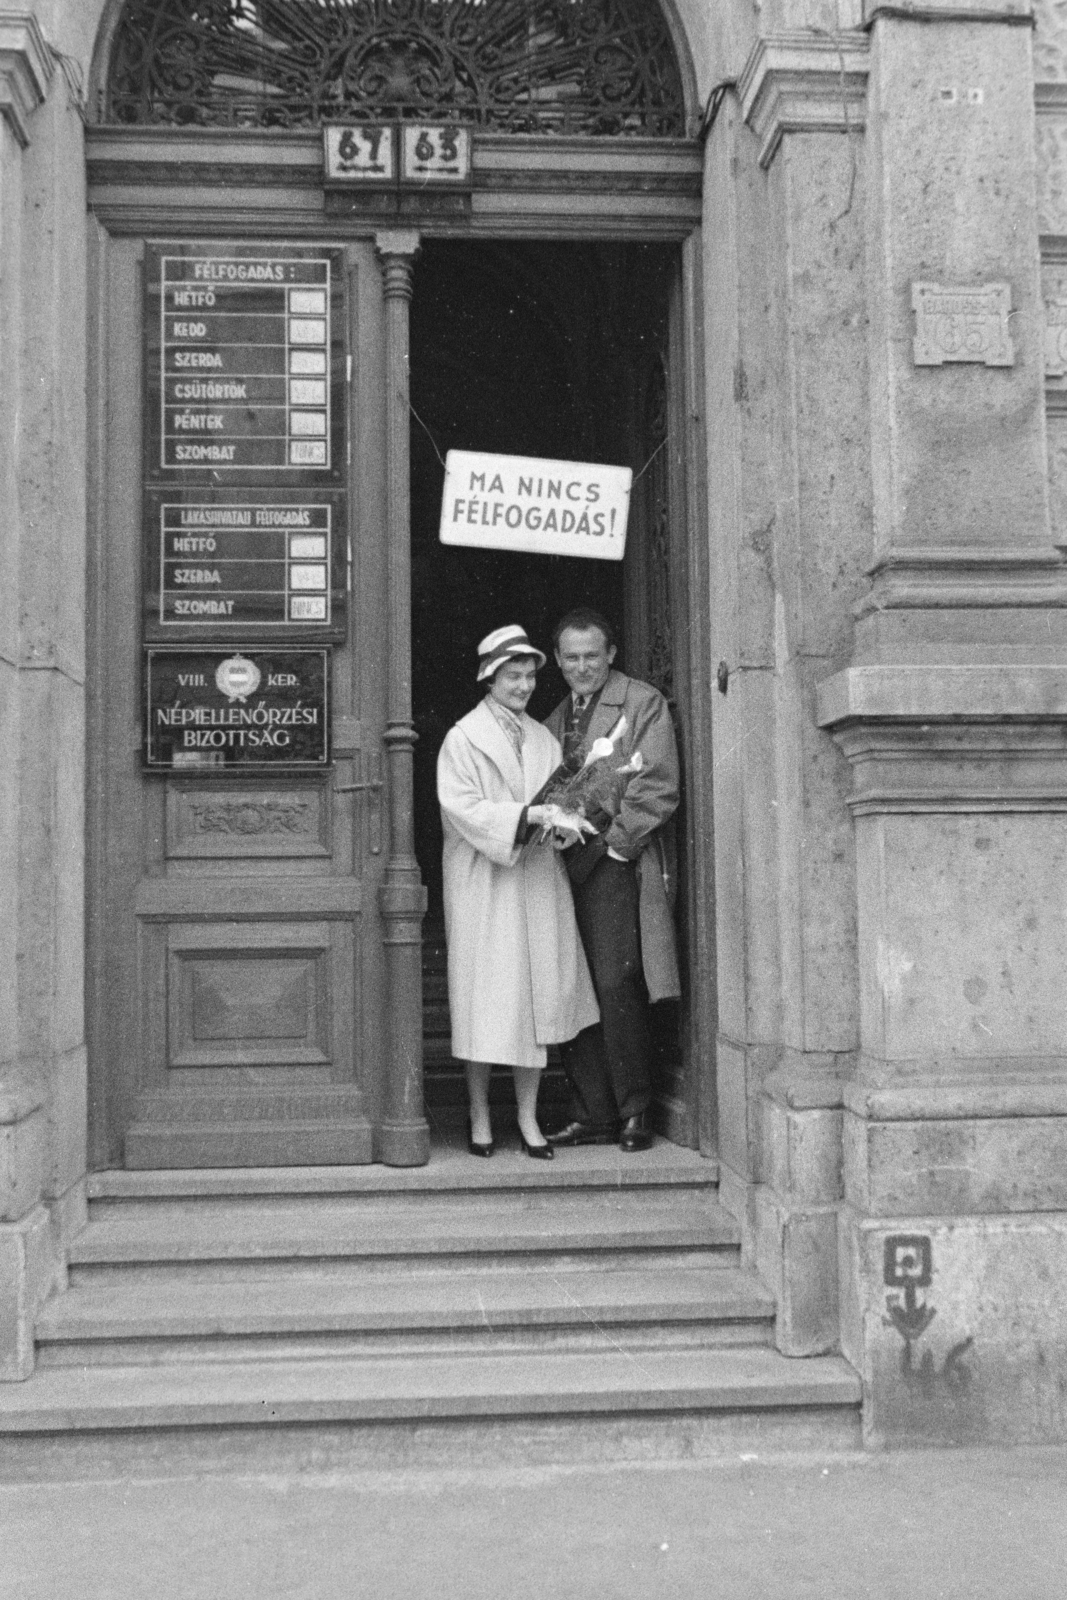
(908, 1271)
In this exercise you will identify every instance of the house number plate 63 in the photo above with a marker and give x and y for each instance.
(432, 154)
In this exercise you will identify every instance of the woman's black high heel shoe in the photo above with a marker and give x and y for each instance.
(475, 1148)
(540, 1152)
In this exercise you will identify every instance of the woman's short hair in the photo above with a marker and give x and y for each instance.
(582, 618)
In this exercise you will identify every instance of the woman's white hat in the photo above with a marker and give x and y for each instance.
(501, 646)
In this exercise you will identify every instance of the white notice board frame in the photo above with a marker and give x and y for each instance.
(538, 506)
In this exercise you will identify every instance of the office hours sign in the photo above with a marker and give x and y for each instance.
(244, 357)
(244, 510)
(551, 508)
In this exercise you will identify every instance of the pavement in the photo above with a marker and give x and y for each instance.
(936, 1525)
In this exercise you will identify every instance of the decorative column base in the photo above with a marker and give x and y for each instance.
(953, 1236)
(403, 1134)
(34, 1227)
(407, 1145)
(796, 1205)
(957, 1326)
(29, 1271)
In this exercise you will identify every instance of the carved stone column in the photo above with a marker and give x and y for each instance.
(794, 387)
(42, 1060)
(403, 1135)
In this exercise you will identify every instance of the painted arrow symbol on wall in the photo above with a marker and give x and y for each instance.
(912, 1318)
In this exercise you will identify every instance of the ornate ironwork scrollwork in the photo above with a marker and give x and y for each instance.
(516, 66)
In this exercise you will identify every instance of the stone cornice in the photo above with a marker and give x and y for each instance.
(936, 693)
(1013, 13)
(966, 577)
(944, 739)
(995, 1087)
(25, 70)
(1050, 99)
(804, 82)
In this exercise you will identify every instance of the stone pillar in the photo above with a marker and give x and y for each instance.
(403, 1134)
(954, 719)
(957, 343)
(740, 525)
(42, 534)
(794, 542)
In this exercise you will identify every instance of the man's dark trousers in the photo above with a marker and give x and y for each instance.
(607, 1066)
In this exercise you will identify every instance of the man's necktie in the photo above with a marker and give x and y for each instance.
(572, 735)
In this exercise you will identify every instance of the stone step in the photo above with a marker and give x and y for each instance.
(503, 1231)
(451, 1170)
(464, 1388)
(521, 1220)
(285, 1317)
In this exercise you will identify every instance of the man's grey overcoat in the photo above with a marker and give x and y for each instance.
(642, 829)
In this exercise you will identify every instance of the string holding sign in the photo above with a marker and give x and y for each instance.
(557, 508)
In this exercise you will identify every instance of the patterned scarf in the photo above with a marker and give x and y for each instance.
(511, 724)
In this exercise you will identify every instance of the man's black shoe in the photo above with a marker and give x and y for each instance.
(582, 1133)
(634, 1135)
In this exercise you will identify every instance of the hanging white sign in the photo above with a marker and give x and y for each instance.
(547, 508)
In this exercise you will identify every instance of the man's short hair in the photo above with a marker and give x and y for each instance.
(581, 618)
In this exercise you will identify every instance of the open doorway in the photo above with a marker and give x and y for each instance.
(546, 349)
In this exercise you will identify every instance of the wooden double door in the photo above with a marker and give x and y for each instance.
(255, 992)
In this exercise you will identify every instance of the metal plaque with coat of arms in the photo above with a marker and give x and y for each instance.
(215, 711)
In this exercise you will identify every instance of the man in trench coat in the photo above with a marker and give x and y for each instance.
(622, 887)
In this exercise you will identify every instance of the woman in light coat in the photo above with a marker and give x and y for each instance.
(517, 975)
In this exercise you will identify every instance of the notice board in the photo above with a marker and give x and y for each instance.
(245, 509)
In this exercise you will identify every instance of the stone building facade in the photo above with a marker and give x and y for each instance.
(867, 206)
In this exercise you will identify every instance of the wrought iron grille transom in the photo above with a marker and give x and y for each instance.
(517, 66)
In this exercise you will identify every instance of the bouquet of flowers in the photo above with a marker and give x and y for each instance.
(582, 800)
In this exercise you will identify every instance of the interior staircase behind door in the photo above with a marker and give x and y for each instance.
(445, 1090)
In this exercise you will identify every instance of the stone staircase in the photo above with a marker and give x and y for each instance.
(462, 1313)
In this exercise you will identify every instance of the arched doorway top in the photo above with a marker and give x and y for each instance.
(600, 67)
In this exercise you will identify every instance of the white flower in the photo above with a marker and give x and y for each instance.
(599, 750)
(602, 748)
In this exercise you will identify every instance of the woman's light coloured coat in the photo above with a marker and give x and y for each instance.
(517, 974)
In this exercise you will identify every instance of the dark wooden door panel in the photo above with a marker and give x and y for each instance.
(237, 969)
(248, 822)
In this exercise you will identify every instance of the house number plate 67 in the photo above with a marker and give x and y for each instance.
(360, 153)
